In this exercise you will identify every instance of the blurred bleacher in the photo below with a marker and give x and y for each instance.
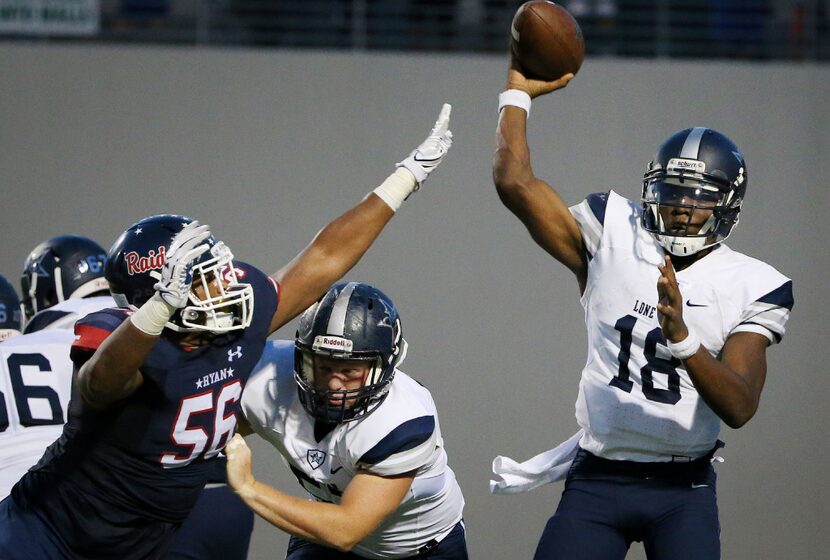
(762, 30)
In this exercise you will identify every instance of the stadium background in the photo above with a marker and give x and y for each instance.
(268, 144)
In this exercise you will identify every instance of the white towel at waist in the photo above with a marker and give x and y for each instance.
(548, 466)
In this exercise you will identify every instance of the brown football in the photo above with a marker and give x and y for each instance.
(546, 40)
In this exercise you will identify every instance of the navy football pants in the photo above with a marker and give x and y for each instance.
(451, 547)
(218, 528)
(23, 536)
(603, 510)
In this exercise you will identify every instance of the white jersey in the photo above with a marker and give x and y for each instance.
(64, 314)
(35, 384)
(636, 402)
(401, 435)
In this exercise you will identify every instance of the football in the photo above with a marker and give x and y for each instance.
(546, 40)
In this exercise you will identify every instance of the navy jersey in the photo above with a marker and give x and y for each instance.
(120, 480)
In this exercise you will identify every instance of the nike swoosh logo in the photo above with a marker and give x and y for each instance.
(700, 485)
(428, 163)
(334, 471)
(690, 304)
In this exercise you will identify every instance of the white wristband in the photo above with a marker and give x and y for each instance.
(686, 348)
(151, 317)
(397, 188)
(515, 98)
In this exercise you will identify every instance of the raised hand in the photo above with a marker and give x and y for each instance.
(177, 273)
(426, 157)
(534, 88)
(670, 304)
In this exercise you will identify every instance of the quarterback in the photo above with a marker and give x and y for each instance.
(360, 435)
(678, 328)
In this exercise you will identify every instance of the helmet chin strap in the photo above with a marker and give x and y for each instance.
(682, 246)
(219, 321)
(404, 346)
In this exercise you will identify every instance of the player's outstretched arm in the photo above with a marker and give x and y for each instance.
(531, 199)
(112, 373)
(366, 502)
(341, 244)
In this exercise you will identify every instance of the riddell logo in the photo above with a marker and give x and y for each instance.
(137, 264)
(332, 343)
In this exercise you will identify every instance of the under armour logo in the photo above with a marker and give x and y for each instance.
(235, 353)
(315, 457)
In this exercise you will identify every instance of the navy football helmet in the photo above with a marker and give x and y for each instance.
(11, 323)
(353, 321)
(695, 168)
(61, 268)
(134, 262)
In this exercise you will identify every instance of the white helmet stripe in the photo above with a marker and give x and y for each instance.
(33, 289)
(59, 284)
(337, 319)
(692, 145)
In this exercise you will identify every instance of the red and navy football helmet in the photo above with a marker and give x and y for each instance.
(695, 168)
(61, 268)
(133, 267)
(353, 321)
(11, 323)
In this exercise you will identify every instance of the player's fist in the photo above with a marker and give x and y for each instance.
(177, 273)
(238, 466)
(426, 157)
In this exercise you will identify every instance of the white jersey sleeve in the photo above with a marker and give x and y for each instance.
(65, 314)
(590, 216)
(636, 401)
(768, 314)
(400, 436)
(35, 386)
(265, 398)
